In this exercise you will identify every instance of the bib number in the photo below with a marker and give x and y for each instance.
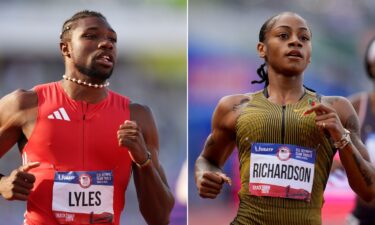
(83, 197)
(279, 170)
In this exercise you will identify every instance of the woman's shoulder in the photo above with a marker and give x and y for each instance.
(230, 102)
(237, 98)
(339, 103)
(334, 99)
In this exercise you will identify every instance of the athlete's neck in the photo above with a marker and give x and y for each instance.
(283, 95)
(284, 89)
(83, 93)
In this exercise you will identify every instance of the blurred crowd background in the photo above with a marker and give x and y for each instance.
(223, 60)
(151, 69)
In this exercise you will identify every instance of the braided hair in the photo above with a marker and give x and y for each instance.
(71, 22)
(261, 71)
(263, 76)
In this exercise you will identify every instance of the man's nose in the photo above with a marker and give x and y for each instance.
(105, 43)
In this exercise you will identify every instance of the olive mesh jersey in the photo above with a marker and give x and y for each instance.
(263, 121)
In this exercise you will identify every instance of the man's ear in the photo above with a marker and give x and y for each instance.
(261, 48)
(64, 48)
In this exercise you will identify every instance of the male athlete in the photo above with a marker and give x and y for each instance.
(80, 142)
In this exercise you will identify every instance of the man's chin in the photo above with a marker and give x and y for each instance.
(96, 73)
(104, 75)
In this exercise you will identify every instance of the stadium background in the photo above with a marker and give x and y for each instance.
(151, 69)
(223, 60)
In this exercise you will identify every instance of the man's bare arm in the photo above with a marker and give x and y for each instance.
(17, 117)
(155, 198)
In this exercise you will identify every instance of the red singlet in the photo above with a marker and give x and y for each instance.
(73, 135)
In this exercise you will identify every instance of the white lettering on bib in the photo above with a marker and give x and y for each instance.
(83, 197)
(280, 170)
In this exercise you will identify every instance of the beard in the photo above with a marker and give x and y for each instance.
(94, 73)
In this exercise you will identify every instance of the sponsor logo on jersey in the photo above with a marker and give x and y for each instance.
(59, 114)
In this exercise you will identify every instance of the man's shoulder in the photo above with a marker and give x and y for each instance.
(20, 99)
(142, 114)
(15, 107)
(136, 107)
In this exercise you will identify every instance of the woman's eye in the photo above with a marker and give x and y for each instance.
(305, 38)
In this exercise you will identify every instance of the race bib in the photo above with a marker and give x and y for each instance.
(279, 170)
(83, 197)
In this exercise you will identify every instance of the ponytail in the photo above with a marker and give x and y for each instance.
(262, 73)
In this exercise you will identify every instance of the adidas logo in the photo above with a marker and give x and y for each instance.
(59, 114)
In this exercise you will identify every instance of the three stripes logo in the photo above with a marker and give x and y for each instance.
(59, 114)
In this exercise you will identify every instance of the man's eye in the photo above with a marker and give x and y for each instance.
(114, 40)
(283, 36)
(90, 36)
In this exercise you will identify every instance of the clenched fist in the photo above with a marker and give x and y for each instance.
(209, 183)
(130, 136)
(18, 185)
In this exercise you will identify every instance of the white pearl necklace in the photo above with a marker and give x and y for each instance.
(84, 83)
